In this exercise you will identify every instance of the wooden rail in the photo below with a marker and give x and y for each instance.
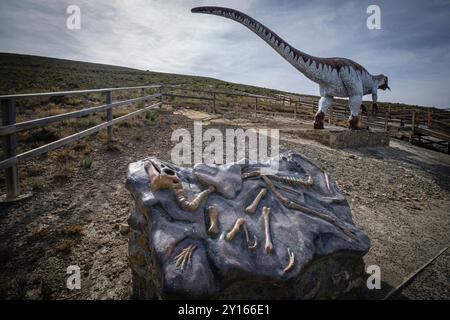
(10, 128)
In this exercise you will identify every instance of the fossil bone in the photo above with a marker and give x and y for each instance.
(290, 180)
(184, 203)
(293, 181)
(251, 209)
(235, 230)
(214, 218)
(162, 177)
(296, 206)
(268, 246)
(185, 256)
(291, 261)
(240, 223)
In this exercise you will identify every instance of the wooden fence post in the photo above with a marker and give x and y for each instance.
(256, 107)
(413, 121)
(386, 121)
(214, 103)
(429, 119)
(161, 99)
(330, 116)
(144, 102)
(109, 115)
(295, 109)
(9, 145)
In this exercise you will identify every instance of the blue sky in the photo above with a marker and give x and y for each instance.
(412, 48)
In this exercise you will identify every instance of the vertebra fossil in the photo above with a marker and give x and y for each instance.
(251, 209)
(214, 218)
(291, 261)
(290, 180)
(185, 256)
(268, 246)
(293, 181)
(184, 203)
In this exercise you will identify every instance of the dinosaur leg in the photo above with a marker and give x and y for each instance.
(354, 103)
(324, 103)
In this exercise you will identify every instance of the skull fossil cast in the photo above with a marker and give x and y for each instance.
(162, 177)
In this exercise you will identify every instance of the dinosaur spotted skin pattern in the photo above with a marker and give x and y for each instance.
(336, 77)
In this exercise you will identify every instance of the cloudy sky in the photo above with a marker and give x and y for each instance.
(412, 48)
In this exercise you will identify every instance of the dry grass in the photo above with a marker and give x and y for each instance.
(63, 155)
(73, 230)
(65, 246)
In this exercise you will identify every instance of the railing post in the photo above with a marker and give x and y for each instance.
(330, 116)
(295, 109)
(256, 107)
(9, 145)
(161, 99)
(386, 121)
(429, 120)
(144, 102)
(109, 115)
(214, 103)
(413, 121)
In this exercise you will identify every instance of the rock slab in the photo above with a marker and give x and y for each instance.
(327, 261)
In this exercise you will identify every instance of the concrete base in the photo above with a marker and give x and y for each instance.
(344, 138)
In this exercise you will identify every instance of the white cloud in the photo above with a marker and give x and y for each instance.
(165, 36)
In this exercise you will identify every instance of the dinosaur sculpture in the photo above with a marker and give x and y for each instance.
(336, 77)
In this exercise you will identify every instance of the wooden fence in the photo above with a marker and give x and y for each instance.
(422, 125)
(417, 124)
(10, 128)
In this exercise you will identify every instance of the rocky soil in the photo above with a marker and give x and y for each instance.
(400, 196)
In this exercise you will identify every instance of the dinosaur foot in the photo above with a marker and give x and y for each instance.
(355, 124)
(319, 120)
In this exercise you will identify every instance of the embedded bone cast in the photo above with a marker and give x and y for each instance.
(214, 220)
(293, 181)
(235, 230)
(268, 246)
(238, 225)
(185, 256)
(251, 209)
(291, 261)
(184, 203)
(162, 177)
(289, 180)
(296, 206)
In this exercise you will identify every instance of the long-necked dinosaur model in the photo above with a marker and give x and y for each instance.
(337, 77)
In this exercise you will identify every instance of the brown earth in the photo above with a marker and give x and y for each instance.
(399, 195)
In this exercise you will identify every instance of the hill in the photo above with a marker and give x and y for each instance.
(26, 73)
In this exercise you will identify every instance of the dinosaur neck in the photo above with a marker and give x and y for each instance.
(309, 65)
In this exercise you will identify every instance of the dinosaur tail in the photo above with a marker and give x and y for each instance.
(296, 58)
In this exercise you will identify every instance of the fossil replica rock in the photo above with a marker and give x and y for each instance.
(300, 242)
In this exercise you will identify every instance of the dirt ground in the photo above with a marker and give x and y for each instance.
(399, 195)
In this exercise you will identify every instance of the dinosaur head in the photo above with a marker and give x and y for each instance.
(383, 82)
